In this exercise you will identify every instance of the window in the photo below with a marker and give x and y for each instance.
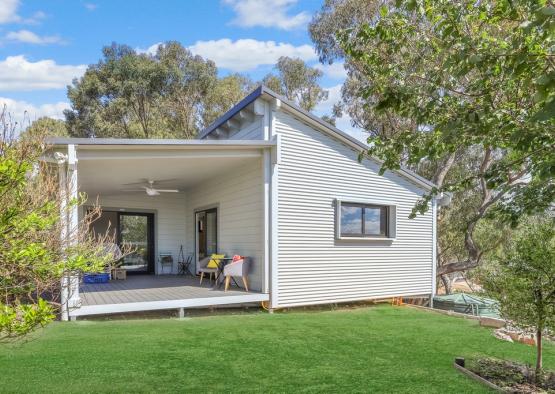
(364, 220)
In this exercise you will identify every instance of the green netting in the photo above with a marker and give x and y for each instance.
(467, 303)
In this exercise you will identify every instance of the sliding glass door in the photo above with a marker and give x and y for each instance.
(206, 232)
(136, 230)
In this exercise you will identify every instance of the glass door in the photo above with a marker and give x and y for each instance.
(207, 232)
(137, 230)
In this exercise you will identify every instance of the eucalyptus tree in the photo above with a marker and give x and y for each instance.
(298, 82)
(524, 281)
(169, 94)
(458, 78)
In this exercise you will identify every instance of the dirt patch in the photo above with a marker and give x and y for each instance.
(512, 377)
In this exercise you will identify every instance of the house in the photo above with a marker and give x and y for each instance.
(266, 180)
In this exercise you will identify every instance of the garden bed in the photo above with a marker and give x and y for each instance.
(508, 376)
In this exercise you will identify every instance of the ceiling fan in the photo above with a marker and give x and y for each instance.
(147, 185)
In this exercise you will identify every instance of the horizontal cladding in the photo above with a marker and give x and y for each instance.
(239, 198)
(250, 131)
(315, 267)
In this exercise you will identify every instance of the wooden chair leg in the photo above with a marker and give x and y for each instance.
(201, 276)
(245, 283)
(227, 278)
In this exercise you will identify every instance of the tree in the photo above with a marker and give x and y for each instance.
(339, 15)
(33, 256)
(227, 92)
(464, 78)
(297, 82)
(117, 97)
(171, 94)
(52, 127)
(192, 80)
(524, 281)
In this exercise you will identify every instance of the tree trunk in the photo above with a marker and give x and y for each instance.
(447, 284)
(539, 350)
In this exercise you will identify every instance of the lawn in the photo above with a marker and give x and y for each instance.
(379, 349)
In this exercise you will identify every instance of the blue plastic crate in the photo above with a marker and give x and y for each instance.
(96, 278)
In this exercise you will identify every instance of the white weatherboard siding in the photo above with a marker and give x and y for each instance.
(238, 197)
(315, 267)
(169, 218)
(249, 131)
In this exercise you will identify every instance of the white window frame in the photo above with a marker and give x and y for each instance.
(391, 217)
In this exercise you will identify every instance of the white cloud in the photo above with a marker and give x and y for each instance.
(333, 71)
(151, 50)
(91, 6)
(25, 113)
(326, 106)
(274, 13)
(19, 74)
(247, 54)
(29, 37)
(8, 13)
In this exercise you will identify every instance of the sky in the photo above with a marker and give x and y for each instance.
(45, 44)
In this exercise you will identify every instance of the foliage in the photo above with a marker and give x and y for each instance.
(172, 94)
(297, 82)
(448, 79)
(470, 74)
(46, 126)
(227, 92)
(524, 279)
(33, 256)
(339, 15)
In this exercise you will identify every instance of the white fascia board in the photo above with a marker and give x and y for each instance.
(122, 143)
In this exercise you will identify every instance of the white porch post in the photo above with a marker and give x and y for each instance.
(67, 170)
(273, 167)
(434, 250)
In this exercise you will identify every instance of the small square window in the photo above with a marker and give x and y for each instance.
(363, 220)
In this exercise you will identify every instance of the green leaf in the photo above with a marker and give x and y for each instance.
(549, 11)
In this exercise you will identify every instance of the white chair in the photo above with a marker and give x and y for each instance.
(166, 260)
(235, 269)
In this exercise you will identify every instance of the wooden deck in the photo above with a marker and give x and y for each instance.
(149, 292)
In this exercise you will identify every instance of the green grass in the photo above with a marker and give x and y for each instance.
(379, 349)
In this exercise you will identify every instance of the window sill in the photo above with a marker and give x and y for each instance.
(365, 239)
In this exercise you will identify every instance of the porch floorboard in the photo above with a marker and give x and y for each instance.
(149, 292)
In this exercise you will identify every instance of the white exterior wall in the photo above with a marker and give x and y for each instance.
(315, 267)
(249, 131)
(169, 219)
(238, 197)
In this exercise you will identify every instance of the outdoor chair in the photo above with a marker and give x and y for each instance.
(184, 267)
(238, 267)
(203, 268)
(166, 260)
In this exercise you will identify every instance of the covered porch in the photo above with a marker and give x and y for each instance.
(151, 292)
(218, 203)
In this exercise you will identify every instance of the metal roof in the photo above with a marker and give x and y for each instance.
(265, 91)
(258, 92)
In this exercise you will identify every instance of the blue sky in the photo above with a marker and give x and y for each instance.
(44, 44)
